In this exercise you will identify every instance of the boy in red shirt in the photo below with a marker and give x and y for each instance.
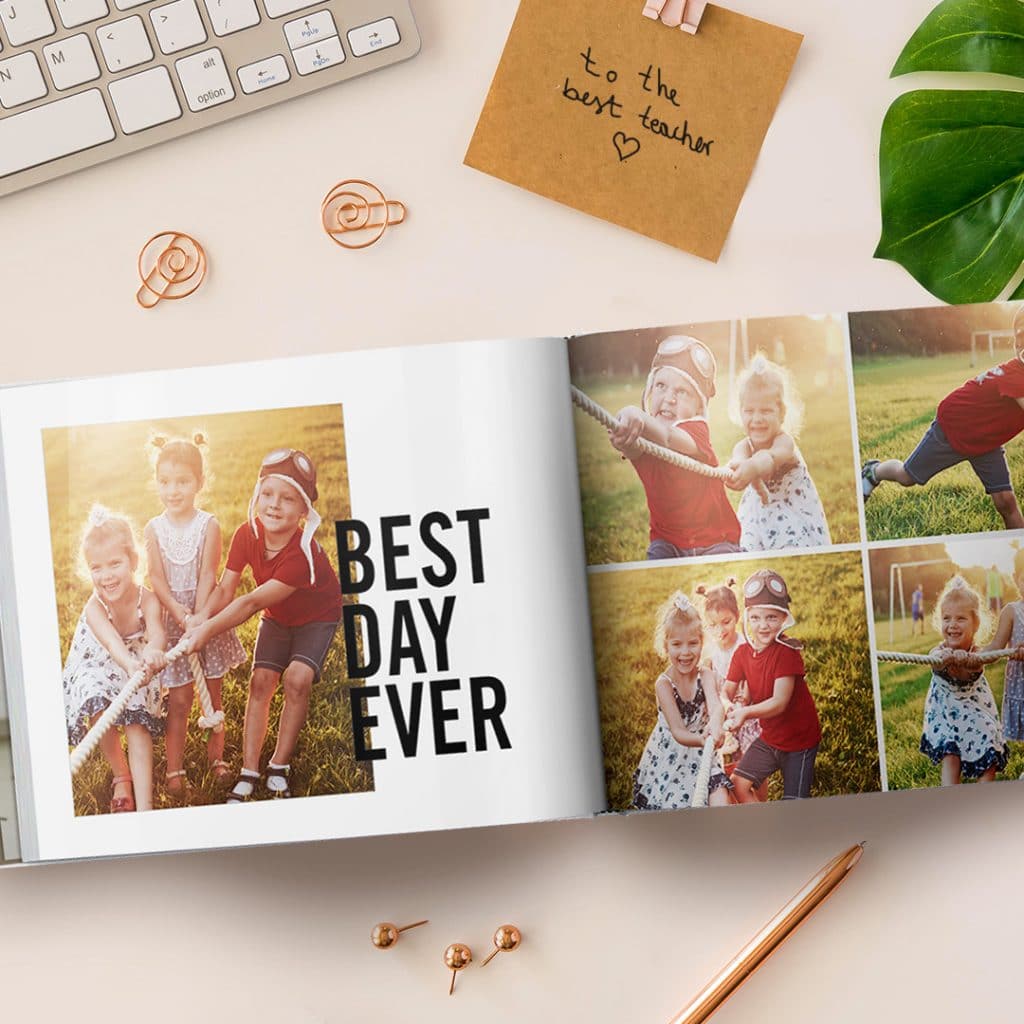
(971, 425)
(768, 671)
(297, 591)
(689, 514)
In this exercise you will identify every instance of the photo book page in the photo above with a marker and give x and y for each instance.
(344, 591)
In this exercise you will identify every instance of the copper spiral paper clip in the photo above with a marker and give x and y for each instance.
(171, 266)
(355, 213)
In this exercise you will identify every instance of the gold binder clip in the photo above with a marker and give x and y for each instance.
(684, 14)
(171, 266)
(355, 213)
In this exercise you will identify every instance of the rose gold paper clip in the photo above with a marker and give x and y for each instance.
(684, 14)
(171, 266)
(355, 213)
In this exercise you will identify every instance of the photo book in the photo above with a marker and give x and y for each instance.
(482, 583)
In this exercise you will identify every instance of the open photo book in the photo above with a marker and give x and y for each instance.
(505, 581)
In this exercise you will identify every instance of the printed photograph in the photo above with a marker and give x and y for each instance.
(949, 628)
(940, 405)
(719, 438)
(735, 682)
(196, 573)
(8, 805)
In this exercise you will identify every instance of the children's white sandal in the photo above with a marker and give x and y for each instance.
(244, 787)
(277, 780)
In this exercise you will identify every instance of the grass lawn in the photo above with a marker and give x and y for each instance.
(896, 401)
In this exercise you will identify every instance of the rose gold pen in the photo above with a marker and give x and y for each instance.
(768, 939)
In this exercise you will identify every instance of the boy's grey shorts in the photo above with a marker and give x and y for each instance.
(277, 646)
(934, 453)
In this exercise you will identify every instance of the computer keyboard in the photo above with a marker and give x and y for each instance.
(83, 81)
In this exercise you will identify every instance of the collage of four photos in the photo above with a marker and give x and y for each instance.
(803, 542)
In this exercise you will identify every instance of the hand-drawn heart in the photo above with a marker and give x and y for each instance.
(625, 145)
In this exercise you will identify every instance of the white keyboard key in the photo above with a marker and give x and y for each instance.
(310, 29)
(127, 5)
(204, 80)
(318, 56)
(278, 8)
(178, 26)
(264, 74)
(20, 80)
(57, 129)
(26, 20)
(124, 44)
(144, 100)
(378, 35)
(71, 61)
(78, 12)
(227, 16)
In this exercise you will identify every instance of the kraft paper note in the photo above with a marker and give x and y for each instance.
(600, 108)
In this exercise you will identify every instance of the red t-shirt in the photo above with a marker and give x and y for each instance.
(797, 727)
(982, 414)
(312, 602)
(686, 509)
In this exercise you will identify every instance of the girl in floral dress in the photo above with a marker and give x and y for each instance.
(780, 507)
(1010, 633)
(688, 712)
(962, 731)
(118, 634)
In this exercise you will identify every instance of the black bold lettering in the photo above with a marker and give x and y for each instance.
(473, 517)
(408, 728)
(446, 577)
(439, 627)
(482, 715)
(392, 552)
(361, 722)
(349, 558)
(350, 615)
(441, 714)
(405, 624)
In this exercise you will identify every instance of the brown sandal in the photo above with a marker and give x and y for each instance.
(181, 787)
(121, 804)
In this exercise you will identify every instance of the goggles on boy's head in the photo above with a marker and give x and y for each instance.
(294, 464)
(296, 468)
(690, 358)
(767, 589)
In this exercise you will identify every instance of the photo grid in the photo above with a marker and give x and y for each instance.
(759, 558)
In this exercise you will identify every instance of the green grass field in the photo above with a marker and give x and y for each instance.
(615, 518)
(903, 689)
(896, 402)
(108, 464)
(828, 602)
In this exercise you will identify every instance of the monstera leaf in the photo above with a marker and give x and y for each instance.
(952, 161)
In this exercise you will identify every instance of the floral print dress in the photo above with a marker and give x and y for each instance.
(92, 679)
(667, 773)
(793, 516)
(960, 718)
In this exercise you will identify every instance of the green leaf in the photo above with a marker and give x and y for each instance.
(952, 177)
(968, 35)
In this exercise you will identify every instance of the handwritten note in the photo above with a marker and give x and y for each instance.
(611, 113)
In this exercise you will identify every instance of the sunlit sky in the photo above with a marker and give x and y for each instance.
(984, 552)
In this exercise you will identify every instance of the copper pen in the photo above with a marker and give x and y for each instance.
(768, 939)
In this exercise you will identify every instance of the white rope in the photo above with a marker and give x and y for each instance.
(703, 780)
(210, 719)
(938, 659)
(606, 419)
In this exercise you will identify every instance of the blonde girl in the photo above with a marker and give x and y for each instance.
(183, 548)
(688, 712)
(1010, 633)
(780, 507)
(119, 633)
(962, 732)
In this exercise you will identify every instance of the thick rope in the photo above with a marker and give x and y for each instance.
(606, 419)
(703, 780)
(210, 719)
(938, 659)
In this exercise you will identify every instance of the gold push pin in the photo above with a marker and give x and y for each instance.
(171, 266)
(506, 938)
(385, 934)
(355, 213)
(456, 957)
